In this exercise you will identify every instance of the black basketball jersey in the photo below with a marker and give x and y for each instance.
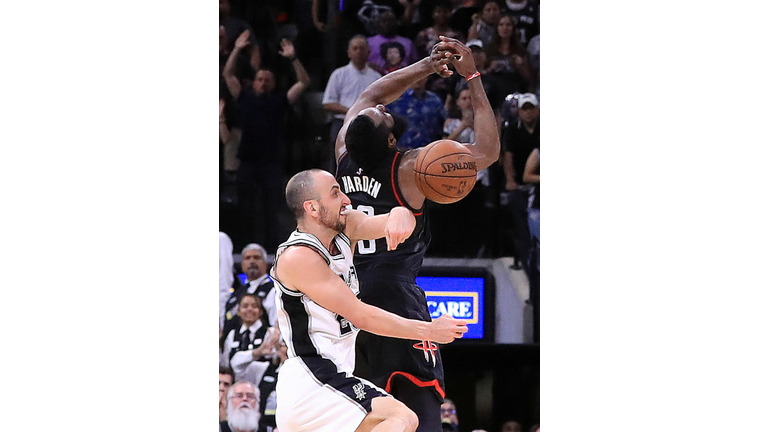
(376, 192)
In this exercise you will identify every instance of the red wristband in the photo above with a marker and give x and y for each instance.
(472, 76)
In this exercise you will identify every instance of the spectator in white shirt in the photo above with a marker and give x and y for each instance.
(226, 273)
(345, 86)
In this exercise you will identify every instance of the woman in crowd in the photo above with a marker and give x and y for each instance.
(508, 58)
(245, 343)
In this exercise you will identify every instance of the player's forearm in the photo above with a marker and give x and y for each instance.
(383, 323)
(398, 224)
(486, 150)
(391, 86)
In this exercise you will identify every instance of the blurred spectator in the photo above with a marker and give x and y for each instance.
(229, 143)
(448, 415)
(427, 38)
(226, 273)
(370, 13)
(526, 14)
(263, 111)
(493, 87)
(268, 386)
(257, 282)
(242, 69)
(533, 49)
(345, 86)
(424, 113)
(511, 426)
(243, 413)
(485, 22)
(463, 10)
(518, 141)
(411, 18)
(535, 428)
(233, 28)
(532, 175)
(247, 366)
(225, 382)
(508, 58)
(392, 54)
(388, 32)
(247, 338)
(459, 126)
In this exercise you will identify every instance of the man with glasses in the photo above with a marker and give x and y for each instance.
(448, 415)
(243, 411)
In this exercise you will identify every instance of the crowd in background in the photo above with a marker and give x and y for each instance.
(288, 72)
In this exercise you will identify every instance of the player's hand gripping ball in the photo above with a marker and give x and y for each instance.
(445, 171)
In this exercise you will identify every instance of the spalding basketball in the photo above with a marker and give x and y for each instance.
(445, 171)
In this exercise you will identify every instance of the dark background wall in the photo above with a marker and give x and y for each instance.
(493, 383)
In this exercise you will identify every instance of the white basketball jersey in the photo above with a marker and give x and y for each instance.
(307, 328)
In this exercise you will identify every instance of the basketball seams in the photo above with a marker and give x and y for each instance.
(426, 167)
(447, 176)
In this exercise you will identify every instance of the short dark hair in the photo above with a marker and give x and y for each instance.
(367, 143)
(299, 190)
(226, 370)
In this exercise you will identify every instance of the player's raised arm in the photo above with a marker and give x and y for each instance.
(325, 288)
(487, 148)
(396, 226)
(391, 86)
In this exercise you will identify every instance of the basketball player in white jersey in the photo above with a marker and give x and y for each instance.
(320, 314)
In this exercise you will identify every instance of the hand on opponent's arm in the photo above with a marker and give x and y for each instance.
(395, 226)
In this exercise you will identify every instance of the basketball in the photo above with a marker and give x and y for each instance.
(445, 171)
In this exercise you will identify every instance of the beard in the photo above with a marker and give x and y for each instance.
(244, 418)
(331, 222)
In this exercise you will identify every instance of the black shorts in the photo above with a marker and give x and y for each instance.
(385, 360)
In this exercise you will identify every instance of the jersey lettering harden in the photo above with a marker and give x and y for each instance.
(316, 389)
(376, 192)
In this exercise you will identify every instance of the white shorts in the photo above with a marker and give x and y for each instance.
(313, 396)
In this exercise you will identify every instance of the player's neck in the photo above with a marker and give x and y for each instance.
(324, 234)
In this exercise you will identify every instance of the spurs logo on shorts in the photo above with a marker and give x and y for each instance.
(359, 390)
(429, 349)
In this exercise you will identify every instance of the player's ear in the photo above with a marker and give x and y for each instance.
(310, 207)
(391, 141)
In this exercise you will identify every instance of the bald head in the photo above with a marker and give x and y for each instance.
(300, 189)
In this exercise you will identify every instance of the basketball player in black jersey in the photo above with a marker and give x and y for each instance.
(377, 177)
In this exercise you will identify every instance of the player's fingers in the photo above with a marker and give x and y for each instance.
(391, 242)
